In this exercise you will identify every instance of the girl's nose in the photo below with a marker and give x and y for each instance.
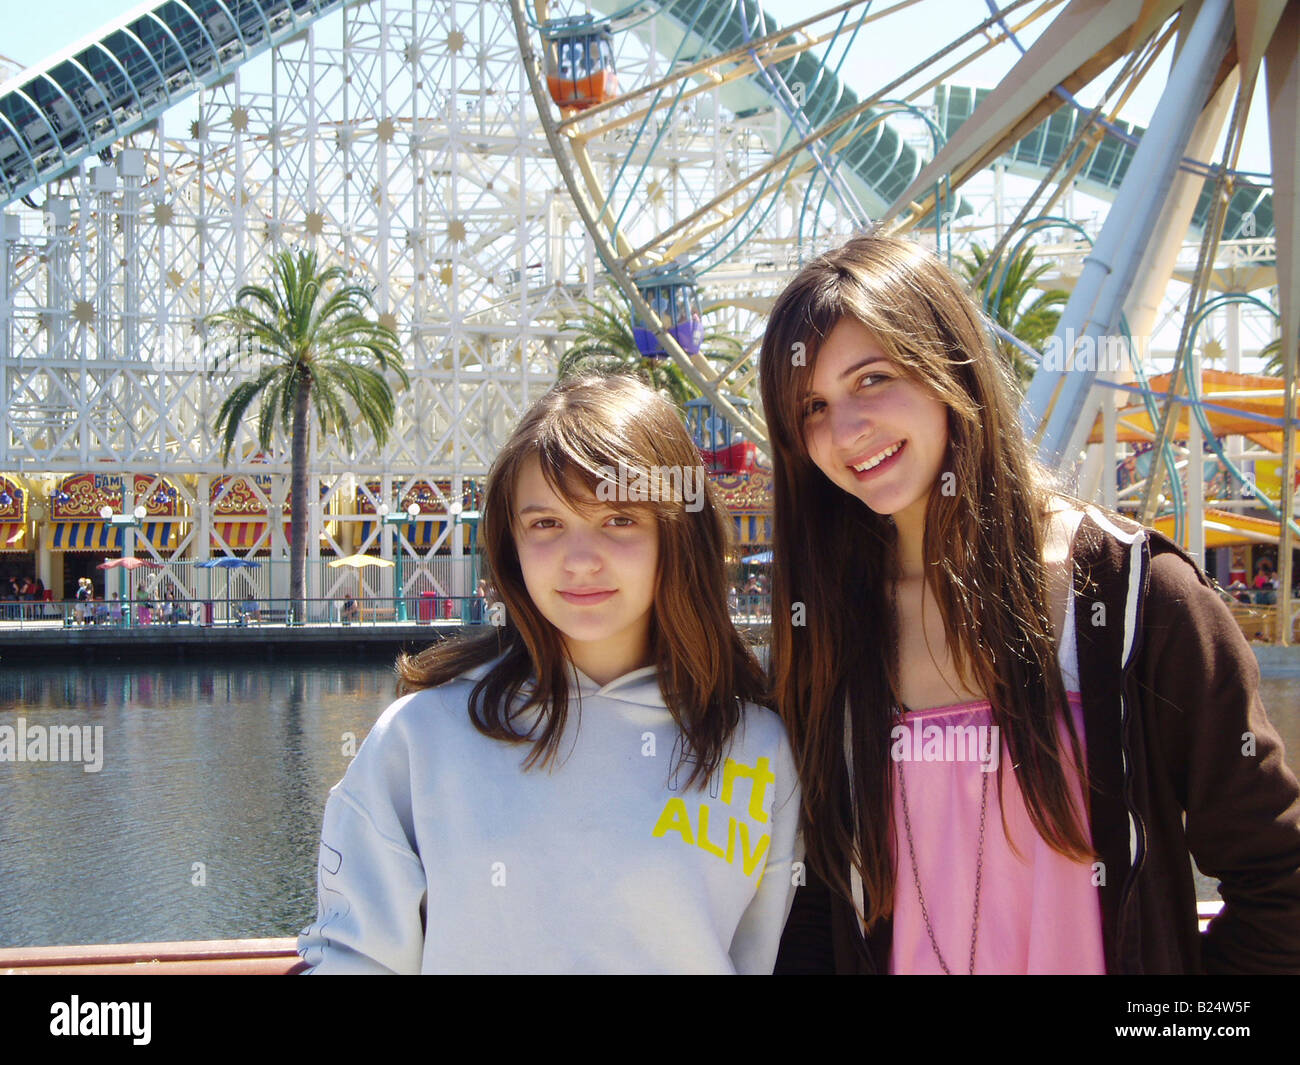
(849, 423)
(580, 554)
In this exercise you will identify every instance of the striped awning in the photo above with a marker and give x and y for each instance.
(13, 536)
(753, 528)
(103, 536)
(240, 535)
(419, 534)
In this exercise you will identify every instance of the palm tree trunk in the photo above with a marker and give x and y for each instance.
(298, 503)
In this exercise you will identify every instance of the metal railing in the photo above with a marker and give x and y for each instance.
(261, 612)
(241, 613)
(263, 578)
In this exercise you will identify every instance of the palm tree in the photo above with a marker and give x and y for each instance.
(604, 342)
(1032, 324)
(312, 346)
(1271, 353)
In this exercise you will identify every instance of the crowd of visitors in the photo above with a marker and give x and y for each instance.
(17, 597)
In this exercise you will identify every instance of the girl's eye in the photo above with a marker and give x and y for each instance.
(812, 407)
(543, 523)
(872, 378)
(622, 520)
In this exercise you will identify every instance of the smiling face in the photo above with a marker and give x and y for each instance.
(590, 574)
(872, 431)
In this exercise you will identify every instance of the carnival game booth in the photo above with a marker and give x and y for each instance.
(430, 533)
(251, 517)
(17, 557)
(92, 519)
(747, 495)
(241, 506)
(251, 529)
(748, 498)
(13, 517)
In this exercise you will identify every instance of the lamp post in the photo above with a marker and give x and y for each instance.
(124, 522)
(411, 513)
(460, 514)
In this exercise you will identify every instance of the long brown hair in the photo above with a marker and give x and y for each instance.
(579, 431)
(983, 549)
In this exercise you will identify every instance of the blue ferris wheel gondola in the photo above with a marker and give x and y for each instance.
(671, 293)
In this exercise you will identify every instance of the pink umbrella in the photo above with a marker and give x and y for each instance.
(130, 562)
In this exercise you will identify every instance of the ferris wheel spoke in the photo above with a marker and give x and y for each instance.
(745, 60)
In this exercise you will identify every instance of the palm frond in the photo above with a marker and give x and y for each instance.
(231, 414)
(1271, 353)
(1003, 293)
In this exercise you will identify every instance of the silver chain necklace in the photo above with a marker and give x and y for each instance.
(900, 710)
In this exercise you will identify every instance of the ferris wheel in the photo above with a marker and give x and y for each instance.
(708, 149)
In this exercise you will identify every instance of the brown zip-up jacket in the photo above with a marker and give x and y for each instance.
(1181, 761)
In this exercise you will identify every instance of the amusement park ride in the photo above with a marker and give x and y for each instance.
(486, 167)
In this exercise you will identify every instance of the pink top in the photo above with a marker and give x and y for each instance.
(1039, 911)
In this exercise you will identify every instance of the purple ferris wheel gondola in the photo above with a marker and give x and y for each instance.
(672, 294)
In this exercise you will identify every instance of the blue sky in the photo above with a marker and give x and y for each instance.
(33, 31)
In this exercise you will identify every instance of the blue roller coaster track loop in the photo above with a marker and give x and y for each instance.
(1198, 405)
(1153, 412)
(942, 214)
(1142, 390)
(1139, 371)
(1030, 228)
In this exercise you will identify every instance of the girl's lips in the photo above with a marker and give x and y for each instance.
(866, 474)
(586, 598)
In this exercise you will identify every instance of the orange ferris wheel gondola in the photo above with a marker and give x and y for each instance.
(579, 62)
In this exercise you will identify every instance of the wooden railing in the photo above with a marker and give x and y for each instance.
(216, 957)
(1262, 623)
(246, 957)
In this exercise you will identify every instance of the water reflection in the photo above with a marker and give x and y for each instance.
(203, 822)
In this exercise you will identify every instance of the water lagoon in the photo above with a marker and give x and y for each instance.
(202, 821)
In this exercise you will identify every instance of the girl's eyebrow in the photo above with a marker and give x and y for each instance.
(546, 508)
(870, 360)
